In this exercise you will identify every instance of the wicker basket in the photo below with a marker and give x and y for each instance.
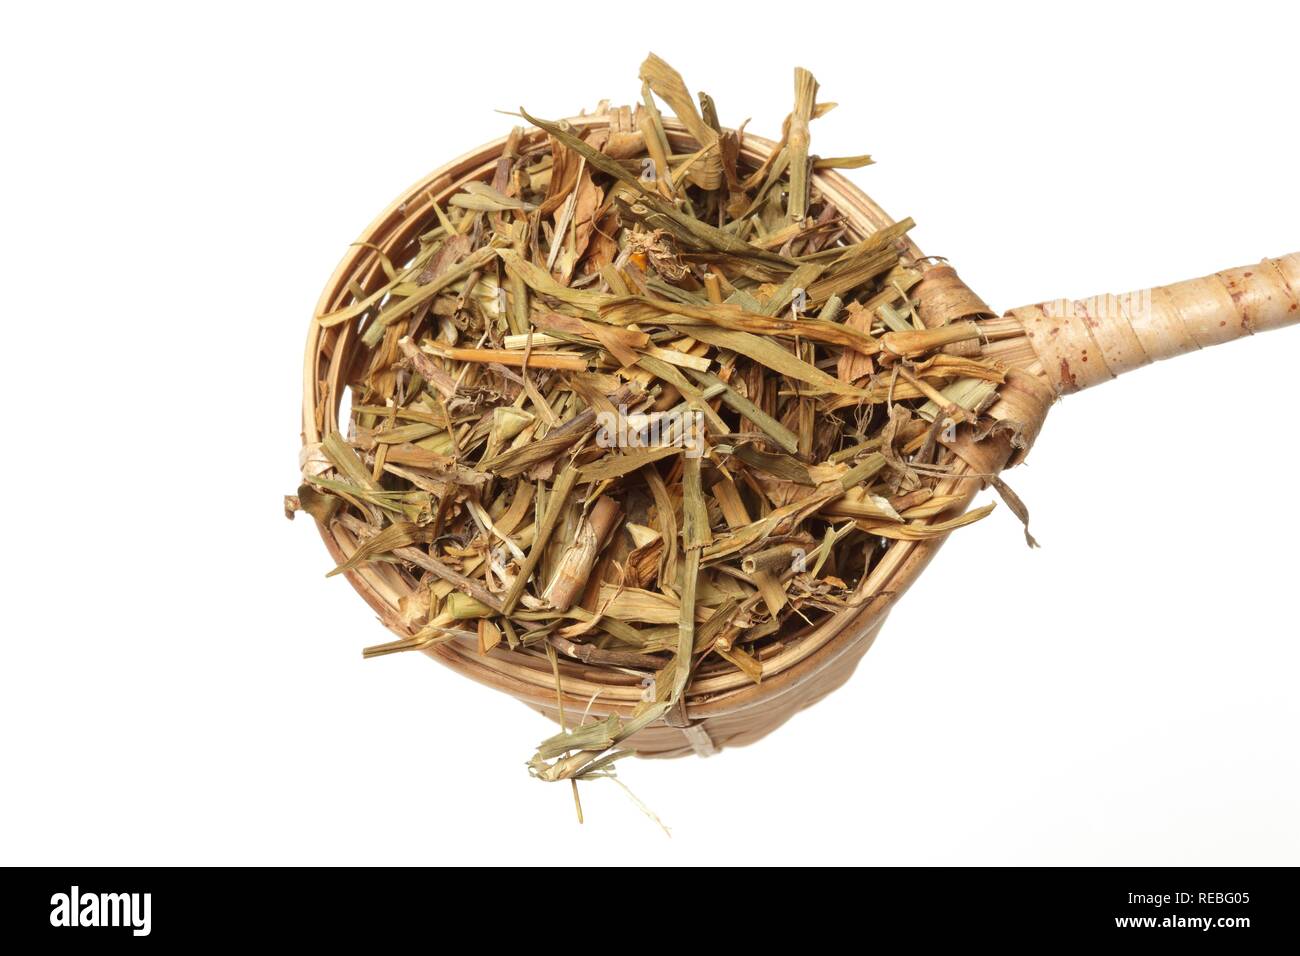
(1054, 350)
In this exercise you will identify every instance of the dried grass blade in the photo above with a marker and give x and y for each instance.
(555, 506)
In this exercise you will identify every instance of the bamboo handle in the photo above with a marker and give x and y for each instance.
(1090, 341)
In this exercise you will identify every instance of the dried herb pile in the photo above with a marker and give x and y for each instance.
(788, 390)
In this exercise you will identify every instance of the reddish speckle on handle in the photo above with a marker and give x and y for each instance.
(1067, 376)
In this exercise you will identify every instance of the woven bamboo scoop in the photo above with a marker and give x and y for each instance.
(1049, 350)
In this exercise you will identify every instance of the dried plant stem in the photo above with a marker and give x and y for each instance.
(572, 572)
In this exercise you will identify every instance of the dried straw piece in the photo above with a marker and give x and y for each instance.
(571, 573)
(798, 139)
(667, 83)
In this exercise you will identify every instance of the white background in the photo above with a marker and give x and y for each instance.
(180, 683)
